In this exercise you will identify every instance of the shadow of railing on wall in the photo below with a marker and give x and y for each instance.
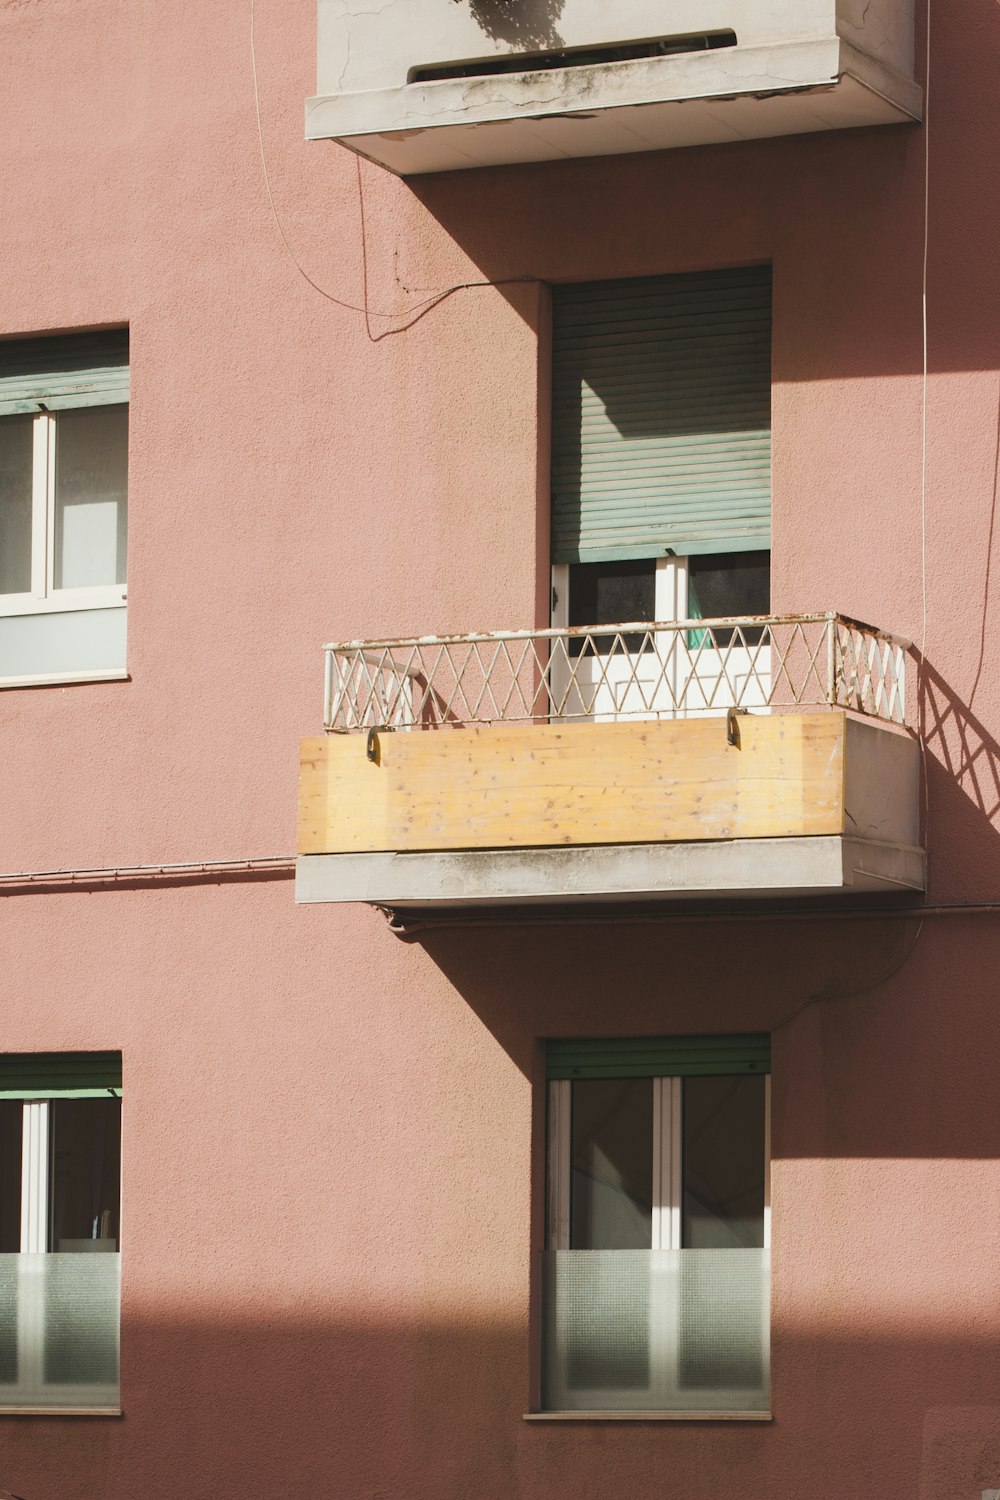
(959, 742)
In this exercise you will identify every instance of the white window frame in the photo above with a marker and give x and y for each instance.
(43, 596)
(691, 689)
(667, 1196)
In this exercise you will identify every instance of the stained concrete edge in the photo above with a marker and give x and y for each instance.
(818, 866)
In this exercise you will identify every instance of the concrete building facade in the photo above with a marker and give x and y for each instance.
(336, 1130)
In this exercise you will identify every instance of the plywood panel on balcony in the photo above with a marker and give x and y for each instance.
(532, 786)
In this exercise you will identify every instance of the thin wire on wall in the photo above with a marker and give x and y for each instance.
(922, 688)
(923, 398)
(405, 317)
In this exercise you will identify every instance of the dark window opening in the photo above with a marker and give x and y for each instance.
(724, 584)
(611, 593)
(571, 57)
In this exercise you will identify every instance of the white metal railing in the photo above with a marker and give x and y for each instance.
(673, 669)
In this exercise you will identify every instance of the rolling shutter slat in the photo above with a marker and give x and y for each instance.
(54, 1075)
(661, 422)
(86, 369)
(658, 1057)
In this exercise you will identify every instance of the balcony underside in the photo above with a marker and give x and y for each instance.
(613, 873)
(741, 93)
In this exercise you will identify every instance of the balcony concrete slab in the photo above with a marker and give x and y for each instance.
(737, 868)
(743, 93)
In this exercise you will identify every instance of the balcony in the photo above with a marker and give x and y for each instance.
(746, 757)
(435, 85)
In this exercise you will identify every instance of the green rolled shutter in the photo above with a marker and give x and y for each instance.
(83, 369)
(53, 1075)
(658, 1057)
(661, 416)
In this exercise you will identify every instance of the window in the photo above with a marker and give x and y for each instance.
(655, 1279)
(60, 1198)
(63, 507)
(661, 485)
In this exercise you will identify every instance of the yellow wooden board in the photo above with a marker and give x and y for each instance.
(537, 785)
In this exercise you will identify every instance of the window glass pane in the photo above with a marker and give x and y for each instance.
(86, 1173)
(11, 1118)
(91, 475)
(15, 504)
(612, 593)
(612, 1170)
(730, 583)
(723, 1165)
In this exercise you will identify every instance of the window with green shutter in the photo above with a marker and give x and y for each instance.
(661, 416)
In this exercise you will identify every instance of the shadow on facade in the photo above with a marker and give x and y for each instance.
(964, 761)
(522, 24)
(816, 202)
(869, 1010)
(285, 1409)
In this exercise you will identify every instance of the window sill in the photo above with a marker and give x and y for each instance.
(57, 679)
(62, 602)
(647, 1416)
(61, 1411)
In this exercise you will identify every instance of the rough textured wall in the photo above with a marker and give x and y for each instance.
(330, 1179)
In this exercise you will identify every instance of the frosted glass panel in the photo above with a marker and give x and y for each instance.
(655, 1330)
(15, 504)
(91, 483)
(84, 640)
(59, 1330)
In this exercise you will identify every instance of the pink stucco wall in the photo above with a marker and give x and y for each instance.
(330, 1167)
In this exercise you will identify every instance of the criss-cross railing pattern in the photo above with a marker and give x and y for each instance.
(677, 669)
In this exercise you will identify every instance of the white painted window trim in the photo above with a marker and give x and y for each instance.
(44, 597)
(65, 679)
(35, 1187)
(669, 603)
(64, 601)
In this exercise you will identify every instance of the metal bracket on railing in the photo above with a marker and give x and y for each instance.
(732, 728)
(371, 747)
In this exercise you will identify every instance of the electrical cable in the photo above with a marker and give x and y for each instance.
(922, 688)
(412, 313)
(864, 989)
(280, 865)
(924, 381)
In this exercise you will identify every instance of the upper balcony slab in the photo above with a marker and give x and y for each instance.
(439, 85)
